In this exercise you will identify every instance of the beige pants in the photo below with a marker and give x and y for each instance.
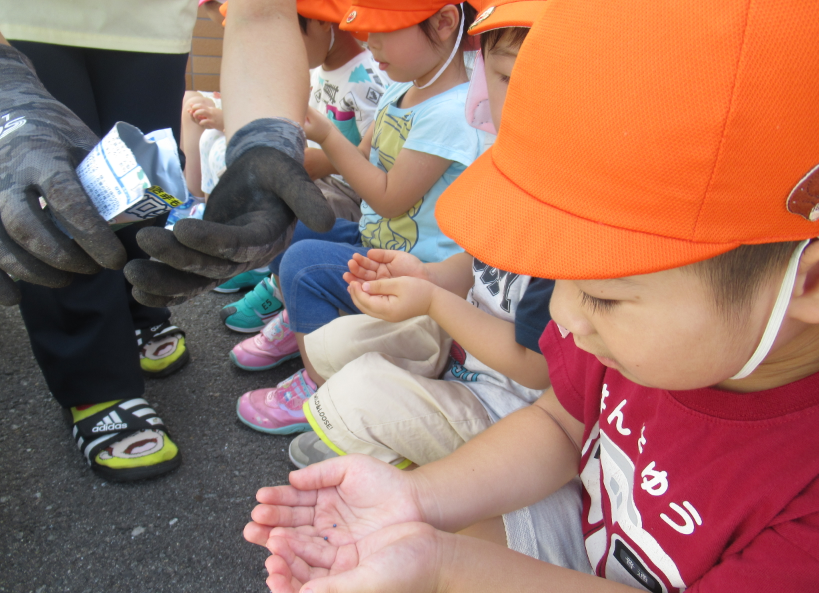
(383, 396)
(341, 197)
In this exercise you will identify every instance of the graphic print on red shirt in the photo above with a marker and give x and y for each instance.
(706, 490)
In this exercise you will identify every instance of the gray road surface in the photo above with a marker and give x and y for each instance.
(63, 529)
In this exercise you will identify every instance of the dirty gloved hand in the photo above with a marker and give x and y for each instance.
(258, 198)
(41, 144)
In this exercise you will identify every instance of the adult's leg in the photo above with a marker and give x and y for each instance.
(78, 333)
(145, 90)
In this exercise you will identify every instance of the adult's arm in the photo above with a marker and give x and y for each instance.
(265, 187)
(264, 64)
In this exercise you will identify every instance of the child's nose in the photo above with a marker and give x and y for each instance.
(566, 311)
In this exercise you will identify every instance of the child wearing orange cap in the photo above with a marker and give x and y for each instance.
(405, 393)
(670, 181)
(418, 145)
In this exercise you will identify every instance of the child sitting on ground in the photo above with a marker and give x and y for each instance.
(418, 145)
(671, 183)
(346, 87)
(386, 392)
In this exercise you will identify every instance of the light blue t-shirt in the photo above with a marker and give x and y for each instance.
(437, 126)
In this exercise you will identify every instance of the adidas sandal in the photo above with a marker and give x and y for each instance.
(124, 440)
(162, 350)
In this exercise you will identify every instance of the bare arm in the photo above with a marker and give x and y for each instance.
(263, 36)
(212, 10)
(389, 194)
(3, 40)
(478, 482)
(317, 163)
(476, 566)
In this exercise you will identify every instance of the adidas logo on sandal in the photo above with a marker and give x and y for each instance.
(110, 422)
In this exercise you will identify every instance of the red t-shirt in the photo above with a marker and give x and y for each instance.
(705, 489)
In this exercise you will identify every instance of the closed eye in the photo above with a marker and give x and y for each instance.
(597, 305)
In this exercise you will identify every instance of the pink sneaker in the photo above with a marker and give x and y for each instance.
(278, 410)
(275, 344)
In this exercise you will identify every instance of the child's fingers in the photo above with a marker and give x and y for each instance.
(282, 516)
(365, 262)
(257, 534)
(308, 553)
(287, 495)
(382, 256)
(280, 579)
(386, 287)
(361, 272)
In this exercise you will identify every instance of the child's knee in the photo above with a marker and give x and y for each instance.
(190, 97)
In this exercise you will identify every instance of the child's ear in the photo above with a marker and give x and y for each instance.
(325, 26)
(448, 21)
(804, 305)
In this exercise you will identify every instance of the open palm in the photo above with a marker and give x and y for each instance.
(381, 264)
(397, 558)
(342, 499)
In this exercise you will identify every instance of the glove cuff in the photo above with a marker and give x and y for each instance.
(12, 57)
(280, 133)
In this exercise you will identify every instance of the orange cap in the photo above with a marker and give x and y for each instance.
(498, 14)
(641, 137)
(331, 11)
(384, 16)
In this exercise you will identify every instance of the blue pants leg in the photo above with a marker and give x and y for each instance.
(311, 280)
(343, 231)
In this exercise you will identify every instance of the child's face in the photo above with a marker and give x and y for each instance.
(316, 42)
(498, 64)
(660, 330)
(405, 55)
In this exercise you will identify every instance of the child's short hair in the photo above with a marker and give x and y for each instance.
(736, 276)
(468, 15)
(303, 23)
(511, 35)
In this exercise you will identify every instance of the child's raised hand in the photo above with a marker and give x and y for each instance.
(316, 126)
(393, 299)
(209, 117)
(384, 263)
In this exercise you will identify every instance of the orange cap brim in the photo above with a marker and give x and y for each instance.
(514, 14)
(476, 211)
(379, 20)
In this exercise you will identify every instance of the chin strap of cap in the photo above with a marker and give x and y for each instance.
(783, 299)
(452, 55)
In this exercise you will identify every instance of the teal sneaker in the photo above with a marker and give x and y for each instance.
(253, 312)
(243, 280)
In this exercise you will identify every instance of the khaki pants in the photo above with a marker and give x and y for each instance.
(383, 396)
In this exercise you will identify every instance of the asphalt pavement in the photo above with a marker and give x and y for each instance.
(63, 529)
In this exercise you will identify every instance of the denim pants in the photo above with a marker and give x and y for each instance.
(310, 274)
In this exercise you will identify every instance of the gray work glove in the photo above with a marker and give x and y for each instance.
(41, 144)
(258, 198)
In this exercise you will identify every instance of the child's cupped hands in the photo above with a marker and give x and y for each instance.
(379, 264)
(318, 524)
(401, 558)
(317, 126)
(393, 299)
